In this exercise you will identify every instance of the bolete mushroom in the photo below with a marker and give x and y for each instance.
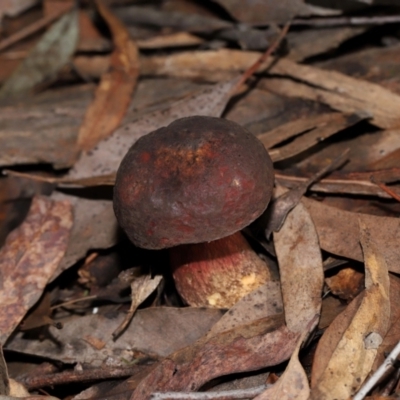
(192, 186)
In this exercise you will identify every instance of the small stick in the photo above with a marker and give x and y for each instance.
(372, 381)
(222, 395)
(35, 381)
(386, 189)
(251, 70)
(352, 21)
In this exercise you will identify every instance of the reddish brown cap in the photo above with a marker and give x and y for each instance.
(196, 180)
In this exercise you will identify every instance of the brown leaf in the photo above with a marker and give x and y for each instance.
(301, 269)
(357, 344)
(339, 91)
(293, 383)
(95, 226)
(393, 334)
(346, 284)
(262, 343)
(158, 331)
(269, 11)
(29, 258)
(263, 302)
(332, 124)
(106, 156)
(116, 86)
(338, 232)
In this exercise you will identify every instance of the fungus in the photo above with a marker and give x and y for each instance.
(192, 186)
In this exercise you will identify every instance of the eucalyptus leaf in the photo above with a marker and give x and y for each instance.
(50, 54)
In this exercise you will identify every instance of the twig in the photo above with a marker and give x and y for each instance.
(62, 378)
(386, 189)
(222, 395)
(372, 381)
(354, 21)
(250, 71)
(67, 303)
(31, 29)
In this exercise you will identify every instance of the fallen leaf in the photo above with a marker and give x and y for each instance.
(262, 302)
(338, 232)
(94, 227)
(293, 383)
(157, 331)
(29, 258)
(141, 288)
(4, 379)
(113, 95)
(357, 344)
(393, 334)
(311, 137)
(301, 269)
(50, 54)
(106, 156)
(346, 284)
(262, 343)
(339, 91)
(281, 206)
(267, 11)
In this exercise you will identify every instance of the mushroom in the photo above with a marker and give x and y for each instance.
(192, 186)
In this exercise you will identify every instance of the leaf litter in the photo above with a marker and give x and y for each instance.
(330, 234)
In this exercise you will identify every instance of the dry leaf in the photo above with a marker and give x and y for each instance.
(30, 257)
(263, 302)
(355, 351)
(262, 343)
(338, 232)
(270, 11)
(141, 288)
(157, 331)
(105, 158)
(4, 379)
(95, 227)
(50, 54)
(301, 269)
(346, 284)
(113, 95)
(393, 334)
(339, 91)
(293, 383)
(313, 136)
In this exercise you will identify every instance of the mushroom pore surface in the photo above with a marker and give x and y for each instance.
(196, 180)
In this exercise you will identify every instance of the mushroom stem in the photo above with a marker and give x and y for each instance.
(218, 273)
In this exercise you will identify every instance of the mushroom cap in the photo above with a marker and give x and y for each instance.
(196, 180)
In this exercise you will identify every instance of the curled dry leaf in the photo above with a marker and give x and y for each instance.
(338, 232)
(355, 345)
(30, 257)
(141, 289)
(301, 269)
(113, 95)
